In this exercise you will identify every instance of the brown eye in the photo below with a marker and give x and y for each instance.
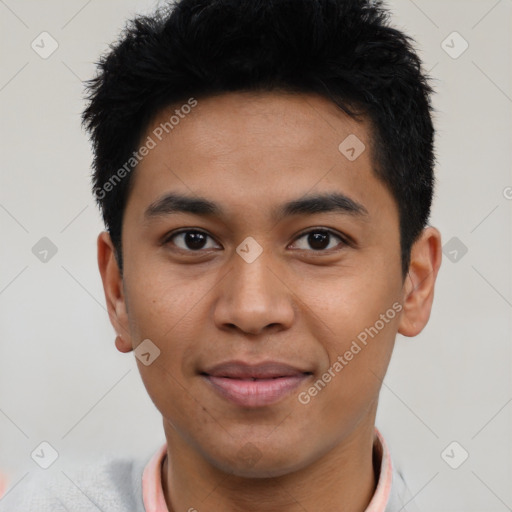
(192, 240)
(318, 240)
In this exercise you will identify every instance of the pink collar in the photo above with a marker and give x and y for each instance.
(153, 495)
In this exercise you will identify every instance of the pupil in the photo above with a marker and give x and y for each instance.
(318, 240)
(194, 240)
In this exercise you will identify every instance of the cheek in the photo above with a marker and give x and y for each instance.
(348, 302)
(357, 321)
(347, 389)
(166, 313)
(161, 302)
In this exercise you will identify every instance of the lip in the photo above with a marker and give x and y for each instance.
(254, 385)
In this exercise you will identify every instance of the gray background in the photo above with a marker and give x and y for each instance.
(61, 378)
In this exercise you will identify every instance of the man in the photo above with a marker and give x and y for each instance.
(265, 173)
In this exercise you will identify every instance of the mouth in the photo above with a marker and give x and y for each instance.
(254, 385)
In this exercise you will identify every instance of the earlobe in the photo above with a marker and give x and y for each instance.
(418, 290)
(113, 289)
(122, 345)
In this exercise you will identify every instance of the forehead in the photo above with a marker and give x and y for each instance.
(253, 147)
(271, 120)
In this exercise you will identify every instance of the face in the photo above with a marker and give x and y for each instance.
(274, 297)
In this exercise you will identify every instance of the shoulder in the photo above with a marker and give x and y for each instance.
(113, 484)
(401, 498)
(392, 493)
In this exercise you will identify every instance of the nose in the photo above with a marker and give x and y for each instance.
(253, 298)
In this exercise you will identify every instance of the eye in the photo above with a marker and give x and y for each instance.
(318, 240)
(191, 240)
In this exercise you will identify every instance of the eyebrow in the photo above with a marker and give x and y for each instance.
(321, 203)
(308, 205)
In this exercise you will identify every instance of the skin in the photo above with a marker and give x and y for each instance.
(250, 153)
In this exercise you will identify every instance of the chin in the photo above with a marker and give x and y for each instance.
(252, 462)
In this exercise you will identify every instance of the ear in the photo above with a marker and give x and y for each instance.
(114, 294)
(418, 290)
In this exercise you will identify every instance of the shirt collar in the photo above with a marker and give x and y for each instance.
(154, 501)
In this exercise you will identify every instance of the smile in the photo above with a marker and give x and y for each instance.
(254, 385)
(253, 392)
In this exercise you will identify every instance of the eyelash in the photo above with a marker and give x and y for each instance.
(344, 240)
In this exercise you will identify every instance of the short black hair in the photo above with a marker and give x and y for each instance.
(343, 50)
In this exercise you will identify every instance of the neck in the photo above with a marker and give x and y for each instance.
(343, 477)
